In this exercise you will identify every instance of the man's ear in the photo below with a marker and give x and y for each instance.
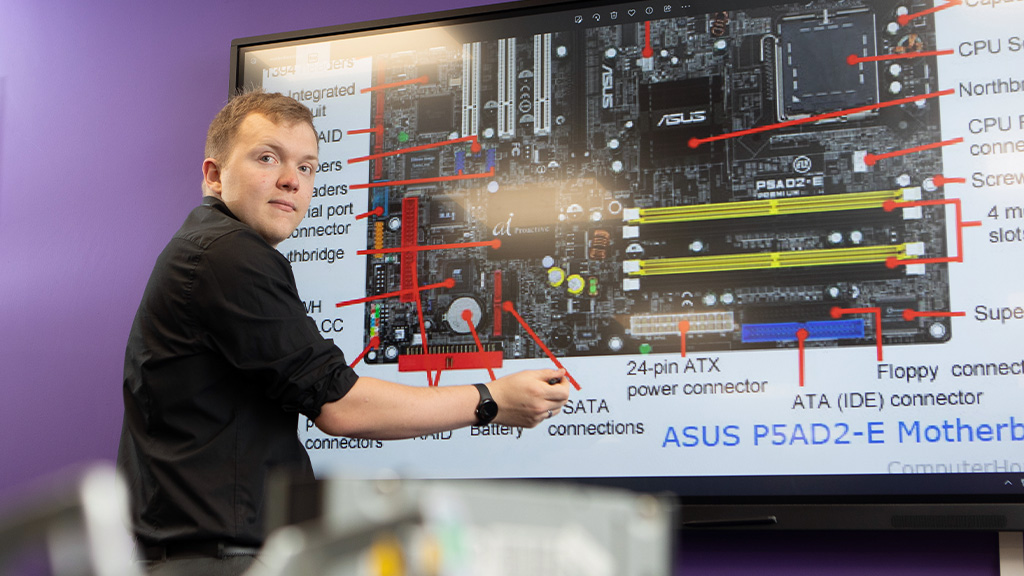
(211, 177)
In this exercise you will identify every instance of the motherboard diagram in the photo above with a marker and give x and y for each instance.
(611, 183)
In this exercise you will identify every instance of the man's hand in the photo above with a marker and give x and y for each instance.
(528, 398)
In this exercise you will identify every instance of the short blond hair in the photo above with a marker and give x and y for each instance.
(278, 108)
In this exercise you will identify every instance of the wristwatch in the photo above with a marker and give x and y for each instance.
(487, 409)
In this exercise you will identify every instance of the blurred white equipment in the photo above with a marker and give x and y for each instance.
(463, 528)
(79, 519)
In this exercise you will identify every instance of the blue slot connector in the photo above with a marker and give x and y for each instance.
(380, 200)
(821, 330)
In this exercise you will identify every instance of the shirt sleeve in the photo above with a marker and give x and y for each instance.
(244, 295)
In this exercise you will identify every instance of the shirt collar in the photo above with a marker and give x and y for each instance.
(218, 204)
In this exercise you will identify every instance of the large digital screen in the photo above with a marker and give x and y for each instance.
(776, 245)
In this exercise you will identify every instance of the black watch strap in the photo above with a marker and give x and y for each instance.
(487, 409)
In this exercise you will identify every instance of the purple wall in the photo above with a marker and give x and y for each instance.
(103, 113)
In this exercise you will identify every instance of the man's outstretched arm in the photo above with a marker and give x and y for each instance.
(384, 410)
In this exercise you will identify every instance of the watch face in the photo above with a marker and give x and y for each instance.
(487, 410)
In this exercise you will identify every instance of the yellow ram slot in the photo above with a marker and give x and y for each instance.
(767, 260)
(776, 207)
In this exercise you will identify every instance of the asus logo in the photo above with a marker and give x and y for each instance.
(677, 118)
(607, 87)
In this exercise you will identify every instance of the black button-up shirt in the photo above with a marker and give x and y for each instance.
(221, 360)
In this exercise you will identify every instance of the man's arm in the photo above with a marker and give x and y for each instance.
(385, 410)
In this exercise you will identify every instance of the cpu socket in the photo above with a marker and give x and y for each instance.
(814, 74)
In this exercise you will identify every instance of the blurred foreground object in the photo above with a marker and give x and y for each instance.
(456, 528)
(77, 520)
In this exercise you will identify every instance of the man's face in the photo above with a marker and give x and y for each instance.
(267, 178)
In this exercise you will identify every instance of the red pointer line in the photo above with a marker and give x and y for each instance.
(375, 212)
(684, 327)
(420, 80)
(838, 312)
(423, 334)
(459, 176)
(853, 59)
(374, 342)
(695, 142)
(801, 337)
(648, 52)
(468, 317)
(475, 148)
(940, 180)
(486, 243)
(378, 130)
(906, 18)
(508, 307)
(449, 283)
(872, 159)
(889, 205)
(909, 314)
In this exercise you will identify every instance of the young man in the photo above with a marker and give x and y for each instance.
(222, 359)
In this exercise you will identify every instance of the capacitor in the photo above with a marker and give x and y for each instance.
(576, 284)
(556, 276)
(615, 343)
